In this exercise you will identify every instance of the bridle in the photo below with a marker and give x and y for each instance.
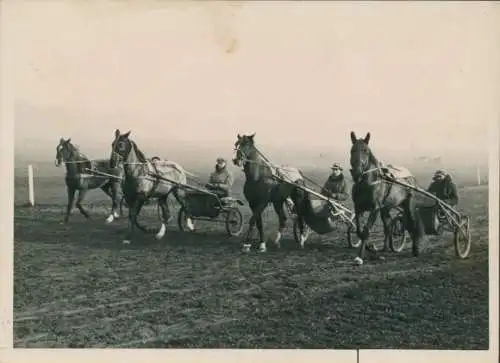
(244, 159)
(121, 159)
(364, 171)
(65, 159)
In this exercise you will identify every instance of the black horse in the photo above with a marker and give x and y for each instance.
(372, 193)
(262, 187)
(80, 178)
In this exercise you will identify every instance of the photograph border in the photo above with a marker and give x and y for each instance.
(8, 354)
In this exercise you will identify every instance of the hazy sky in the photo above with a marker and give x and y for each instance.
(414, 74)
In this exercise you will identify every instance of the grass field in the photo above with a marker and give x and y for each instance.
(76, 285)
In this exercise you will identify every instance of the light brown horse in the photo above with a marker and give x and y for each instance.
(140, 184)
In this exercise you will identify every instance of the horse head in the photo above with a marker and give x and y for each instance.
(65, 151)
(243, 147)
(120, 148)
(361, 156)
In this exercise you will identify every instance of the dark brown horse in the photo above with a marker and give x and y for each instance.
(140, 184)
(80, 178)
(262, 187)
(372, 193)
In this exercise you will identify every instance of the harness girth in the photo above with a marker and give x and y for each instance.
(157, 180)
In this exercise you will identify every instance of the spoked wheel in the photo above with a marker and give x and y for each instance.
(462, 239)
(296, 231)
(234, 222)
(182, 221)
(397, 238)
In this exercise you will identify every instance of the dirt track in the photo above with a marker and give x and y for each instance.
(78, 286)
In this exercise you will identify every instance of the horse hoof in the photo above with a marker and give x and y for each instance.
(303, 239)
(246, 248)
(126, 242)
(262, 247)
(110, 219)
(277, 239)
(190, 224)
(161, 232)
(358, 261)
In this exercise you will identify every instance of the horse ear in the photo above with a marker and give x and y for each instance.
(126, 135)
(67, 141)
(239, 137)
(353, 137)
(367, 138)
(252, 136)
(61, 141)
(117, 133)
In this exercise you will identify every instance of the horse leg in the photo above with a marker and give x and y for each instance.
(165, 211)
(365, 234)
(180, 197)
(81, 196)
(71, 200)
(251, 225)
(133, 213)
(357, 215)
(279, 208)
(413, 224)
(256, 220)
(111, 190)
(386, 221)
(116, 199)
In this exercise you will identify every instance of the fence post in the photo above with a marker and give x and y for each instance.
(31, 186)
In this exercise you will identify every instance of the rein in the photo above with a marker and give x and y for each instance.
(266, 162)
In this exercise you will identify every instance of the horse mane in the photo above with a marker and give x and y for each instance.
(140, 155)
(372, 158)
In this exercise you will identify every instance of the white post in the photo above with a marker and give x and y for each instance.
(31, 186)
(478, 173)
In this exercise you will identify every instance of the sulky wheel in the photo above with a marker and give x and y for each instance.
(296, 231)
(234, 222)
(182, 220)
(462, 239)
(397, 236)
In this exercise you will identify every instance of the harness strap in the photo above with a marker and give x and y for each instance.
(157, 180)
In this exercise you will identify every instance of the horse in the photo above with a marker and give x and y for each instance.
(141, 183)
(262, 188)
(80, 178)
(372, 193)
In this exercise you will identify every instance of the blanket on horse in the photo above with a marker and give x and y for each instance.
(164, 166)
(287, 173)
(396, 172)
